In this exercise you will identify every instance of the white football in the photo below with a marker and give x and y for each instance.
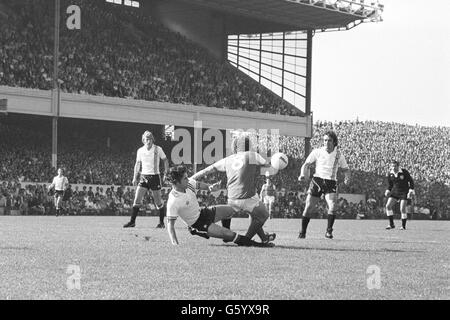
(279, 161)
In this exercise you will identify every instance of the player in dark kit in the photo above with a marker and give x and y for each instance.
(400, 188)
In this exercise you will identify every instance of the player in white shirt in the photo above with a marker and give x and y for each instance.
(183, 203)
(60, 184)
(328, 160)
(147, 169)
(267, 194)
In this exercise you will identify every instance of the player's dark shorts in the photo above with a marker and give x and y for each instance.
(319, 186)
(150, 181)
(66, 196)
(206, 218)
(399, 195)
(59, 193)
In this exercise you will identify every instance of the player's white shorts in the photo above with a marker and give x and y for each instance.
(269, 199)
(244, 204)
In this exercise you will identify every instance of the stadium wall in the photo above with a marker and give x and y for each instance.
(38, 102)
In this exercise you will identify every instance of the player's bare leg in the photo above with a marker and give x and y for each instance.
(310, 205)
(159, 203)
(403, 204)
(331, 199)
(140, 193)
(390, 212)
(258, 217)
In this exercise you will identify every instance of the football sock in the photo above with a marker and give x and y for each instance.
(331, 218)
(134, 213)
(162, 214)
(305, 221)
(226, 223)
(404, 223)
(243, 240)
(391, 220)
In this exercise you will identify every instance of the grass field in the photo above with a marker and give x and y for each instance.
(140, 263)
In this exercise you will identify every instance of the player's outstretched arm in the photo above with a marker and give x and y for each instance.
(204, 172)
(171, 231)
(209, 187)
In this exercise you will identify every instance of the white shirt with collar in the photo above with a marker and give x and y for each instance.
(326, 164)
(184, 204)
(150, 158)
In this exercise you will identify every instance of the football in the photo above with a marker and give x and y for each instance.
(279, 161)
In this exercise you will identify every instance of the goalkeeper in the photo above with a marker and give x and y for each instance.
(400, 188)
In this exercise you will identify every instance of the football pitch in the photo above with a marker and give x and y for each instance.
(46, 257)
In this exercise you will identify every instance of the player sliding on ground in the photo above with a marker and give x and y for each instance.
(241, 168)
(183, 203)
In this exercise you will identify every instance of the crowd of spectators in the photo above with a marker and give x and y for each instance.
(368, 147)
(120, 52)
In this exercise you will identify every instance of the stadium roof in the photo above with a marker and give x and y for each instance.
(263, 16)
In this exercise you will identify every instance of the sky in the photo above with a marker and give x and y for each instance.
(397, 70)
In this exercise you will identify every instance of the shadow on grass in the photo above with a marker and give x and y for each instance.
(382, 250)
(16, 248)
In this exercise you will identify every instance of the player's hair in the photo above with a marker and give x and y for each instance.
(333, 136)
(240, 142)
(176, 174)
(147, 134)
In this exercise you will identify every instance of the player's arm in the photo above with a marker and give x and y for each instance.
(262, 193)
(347, 175)
(304, 171)
(171, 230)
(163, 157)
(208, 170)
(410, 180)
(166, 166)
(209, 187)
(52, 185)
(387, 193)
(137, 171)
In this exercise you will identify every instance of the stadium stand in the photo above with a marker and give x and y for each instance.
(369, 146)
(119, 52)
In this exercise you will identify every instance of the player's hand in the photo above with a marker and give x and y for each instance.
(387, 193)
(301, 178)
(411, 193)
(134, 181)
(215, 186)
